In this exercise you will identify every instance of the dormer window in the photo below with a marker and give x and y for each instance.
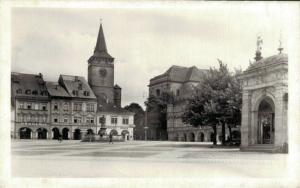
(28, 92)
(75, 92)
(34, 92)
(19, 91)
(86, 93)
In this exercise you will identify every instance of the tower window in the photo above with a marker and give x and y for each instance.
(55, 107)
(157, 92)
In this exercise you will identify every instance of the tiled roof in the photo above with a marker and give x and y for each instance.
(32, 83)
(76, 86)
(55, 90)
(182, 74)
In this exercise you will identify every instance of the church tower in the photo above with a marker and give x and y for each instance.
(101, 71)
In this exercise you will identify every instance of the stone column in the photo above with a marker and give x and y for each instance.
(280, 125)
(246, 121)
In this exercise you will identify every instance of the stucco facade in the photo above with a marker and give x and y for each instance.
(265, 105)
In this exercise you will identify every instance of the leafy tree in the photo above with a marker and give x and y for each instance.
(217, 100)
(159, 105)
(138, 110)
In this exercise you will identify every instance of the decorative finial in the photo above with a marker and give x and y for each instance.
(259, 43)
(280, 48)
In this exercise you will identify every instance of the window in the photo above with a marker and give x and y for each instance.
(21, 106)
(28, 92)
(86, 93)
(36, 106)
(125, 121)
(28, 105)
(177, 92)
(20, 118)
(19, 91)
(77, 106)
(114, 120)
(77, 119)
(55, 107)
(66, 107)
(44, 119)
(157, 92)
(55, 120)
(65, 120)
(90, 120)
(34, 92)
(75, 92)
(44, 107)
(90, 108)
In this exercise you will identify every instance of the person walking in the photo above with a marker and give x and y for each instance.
(110, 138)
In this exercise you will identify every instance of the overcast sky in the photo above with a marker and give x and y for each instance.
(145, 42)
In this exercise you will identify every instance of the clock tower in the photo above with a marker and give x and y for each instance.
(101, 71)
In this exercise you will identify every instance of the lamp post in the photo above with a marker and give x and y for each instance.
(146, 128)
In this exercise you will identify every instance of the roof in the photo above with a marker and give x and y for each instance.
(278, 58)
(182, 74)
(76, 86)
(28, 82)
(54, 89)
(101, 49)
(112, 108)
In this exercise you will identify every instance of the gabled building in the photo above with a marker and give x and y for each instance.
(30, 106)
(71, 107)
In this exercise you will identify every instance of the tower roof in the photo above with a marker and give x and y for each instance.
(101, 49)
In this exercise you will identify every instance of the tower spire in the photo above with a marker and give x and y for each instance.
(100, 51)
(100, 45)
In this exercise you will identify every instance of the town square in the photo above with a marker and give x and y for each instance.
(202, 92)
(140, 159)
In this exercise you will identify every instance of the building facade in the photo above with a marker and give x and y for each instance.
(180, 81)
(30, 106)
(71, 107)
(265, 104)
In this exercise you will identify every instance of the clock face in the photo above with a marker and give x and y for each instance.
(103, 72)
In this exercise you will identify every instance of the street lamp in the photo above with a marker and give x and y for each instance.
(146, 128)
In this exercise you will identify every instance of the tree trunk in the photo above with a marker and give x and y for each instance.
(215, 135)
(223, 133)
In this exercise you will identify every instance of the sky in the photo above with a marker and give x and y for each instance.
(145, 42)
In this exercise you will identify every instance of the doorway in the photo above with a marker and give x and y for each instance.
(266, 128)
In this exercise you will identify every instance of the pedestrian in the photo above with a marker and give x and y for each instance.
(110, 138)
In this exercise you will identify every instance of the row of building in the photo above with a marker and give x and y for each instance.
(71, 107)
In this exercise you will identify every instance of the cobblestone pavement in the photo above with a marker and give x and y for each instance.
(49, 158)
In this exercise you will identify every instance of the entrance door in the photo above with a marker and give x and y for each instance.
(266, 128)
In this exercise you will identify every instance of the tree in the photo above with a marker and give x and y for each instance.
(217, 100)
(158, 104)
(139, 116)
